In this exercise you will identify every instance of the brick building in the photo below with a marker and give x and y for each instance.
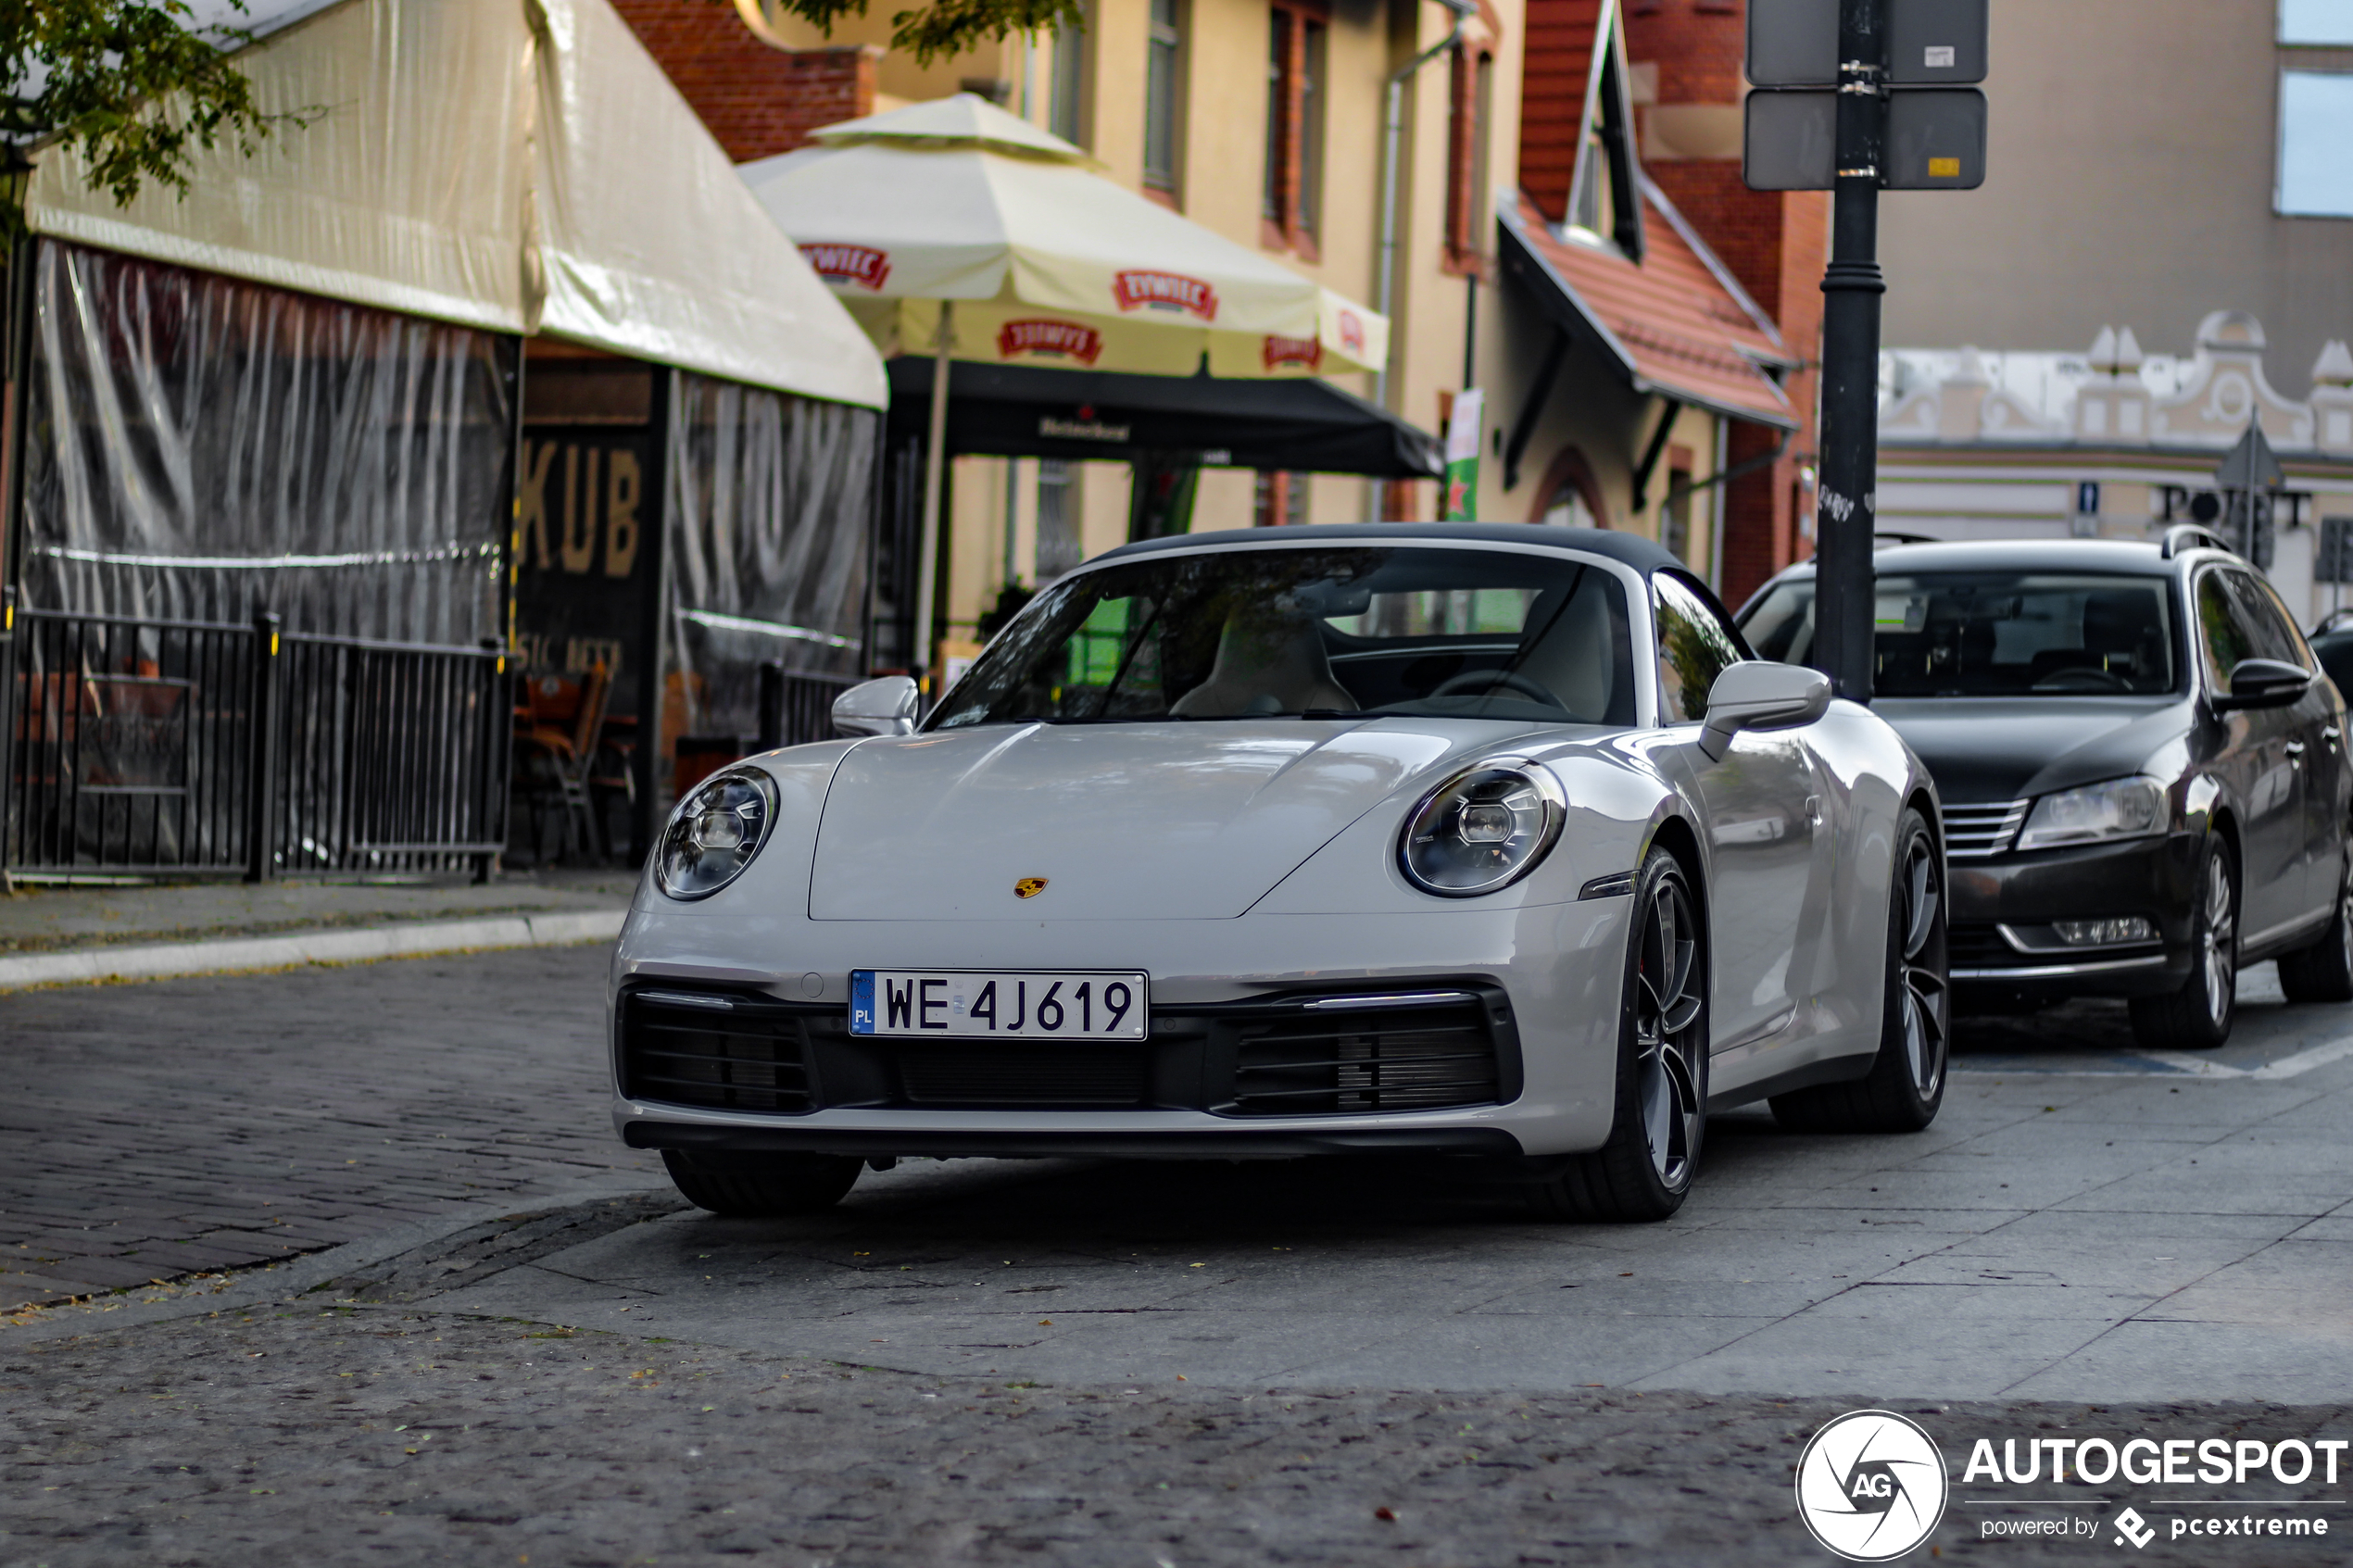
(1700, 296)
(1686, 59)
(756, 101)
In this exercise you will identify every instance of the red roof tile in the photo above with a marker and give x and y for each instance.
(1676, 323)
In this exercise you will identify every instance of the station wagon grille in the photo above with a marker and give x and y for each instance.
(1380, 1060)
(725, 1052)
(1974, 832)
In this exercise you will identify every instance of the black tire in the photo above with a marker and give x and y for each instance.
(1906, 1085)
(2324, 971)
(2198, 1016)
(753, 1186)
(1645, 1168)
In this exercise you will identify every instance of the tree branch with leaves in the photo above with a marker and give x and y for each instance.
(945, 27)
(133, 85)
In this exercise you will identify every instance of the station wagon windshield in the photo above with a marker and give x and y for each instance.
(1996, 633)
(1312, 633)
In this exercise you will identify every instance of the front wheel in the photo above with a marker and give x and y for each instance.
(2198, 1016)
(1645, 1168)
(761, 1186)
(1906, 1085)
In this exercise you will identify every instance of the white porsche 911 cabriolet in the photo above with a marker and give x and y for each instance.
(1490, 841)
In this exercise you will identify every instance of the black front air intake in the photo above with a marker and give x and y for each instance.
(1434, 1047)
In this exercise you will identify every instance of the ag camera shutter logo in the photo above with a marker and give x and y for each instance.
(1871, 1486)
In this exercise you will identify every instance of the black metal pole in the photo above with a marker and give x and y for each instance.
(1846, 496)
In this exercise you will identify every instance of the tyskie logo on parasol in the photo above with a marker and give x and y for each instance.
(1304, 352)
(1165, 291)
(1066, 340)
(862, 265)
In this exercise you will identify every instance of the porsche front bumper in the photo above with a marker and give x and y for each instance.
(1245, 1058)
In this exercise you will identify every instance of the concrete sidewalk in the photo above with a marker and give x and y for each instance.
(52, 935)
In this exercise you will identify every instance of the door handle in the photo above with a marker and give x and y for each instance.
(2331, 734)
(1814, 811)
(2296, 749)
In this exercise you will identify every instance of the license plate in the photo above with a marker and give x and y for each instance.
(998, 1004)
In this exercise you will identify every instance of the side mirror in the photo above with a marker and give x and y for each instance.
(1757, 695)
(877, 708)
(2263, 683)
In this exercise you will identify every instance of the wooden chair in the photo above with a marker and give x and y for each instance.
(567, 755)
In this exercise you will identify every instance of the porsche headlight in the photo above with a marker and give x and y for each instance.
(1483, 829)
(714, 832)
(2120, 809)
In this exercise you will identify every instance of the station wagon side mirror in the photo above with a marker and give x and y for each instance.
(877, 708)
(2263, 683)
(1759, 694)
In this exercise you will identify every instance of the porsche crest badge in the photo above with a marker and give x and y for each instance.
(1029, 888)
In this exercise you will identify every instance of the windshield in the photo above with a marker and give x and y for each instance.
(1995, 634)
(1316, 634)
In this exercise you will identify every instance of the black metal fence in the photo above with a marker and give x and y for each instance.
(796, 706)
(131, 748)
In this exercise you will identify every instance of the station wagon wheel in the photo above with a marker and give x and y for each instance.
(1667, 1002)
(1902, 1087)
(2217, 943)
(1659, 1116)
(2199, 1015)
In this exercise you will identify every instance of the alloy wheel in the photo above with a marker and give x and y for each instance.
(2221, 954)
(1922, 974)
(1668, 1005)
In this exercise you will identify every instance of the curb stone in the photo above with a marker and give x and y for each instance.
(168, 961)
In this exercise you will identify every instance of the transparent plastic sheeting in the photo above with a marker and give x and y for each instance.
(205, 449)
(769, 545)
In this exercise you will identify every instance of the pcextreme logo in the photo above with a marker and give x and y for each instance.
(1870, 1486)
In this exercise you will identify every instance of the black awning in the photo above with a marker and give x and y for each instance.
(1029, 411)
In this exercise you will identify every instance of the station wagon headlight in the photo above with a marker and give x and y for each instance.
(2131, 807)
(714, 832)
(1483, 829)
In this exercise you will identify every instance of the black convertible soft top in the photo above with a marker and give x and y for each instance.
(1628, 548)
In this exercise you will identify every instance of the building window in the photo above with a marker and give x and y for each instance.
(1467, 164)
(2316, 126)
(2316, 22)
(1675, 513)
(1604, 199)
(1060, 549)
(1163, 83)
(1280, 499)
(1064, 109)
(1291, 187)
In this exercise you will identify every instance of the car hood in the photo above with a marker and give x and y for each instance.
(1998, 748)
(1122, 822)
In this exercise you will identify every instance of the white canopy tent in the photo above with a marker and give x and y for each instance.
(953, 227)
(519, 166)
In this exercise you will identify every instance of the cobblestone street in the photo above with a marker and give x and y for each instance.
(488, 1335)
(391, 1435)
(213, 1124)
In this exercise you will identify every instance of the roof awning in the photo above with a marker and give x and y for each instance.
(1031, 411)
(1675, 324)
(517, 166)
